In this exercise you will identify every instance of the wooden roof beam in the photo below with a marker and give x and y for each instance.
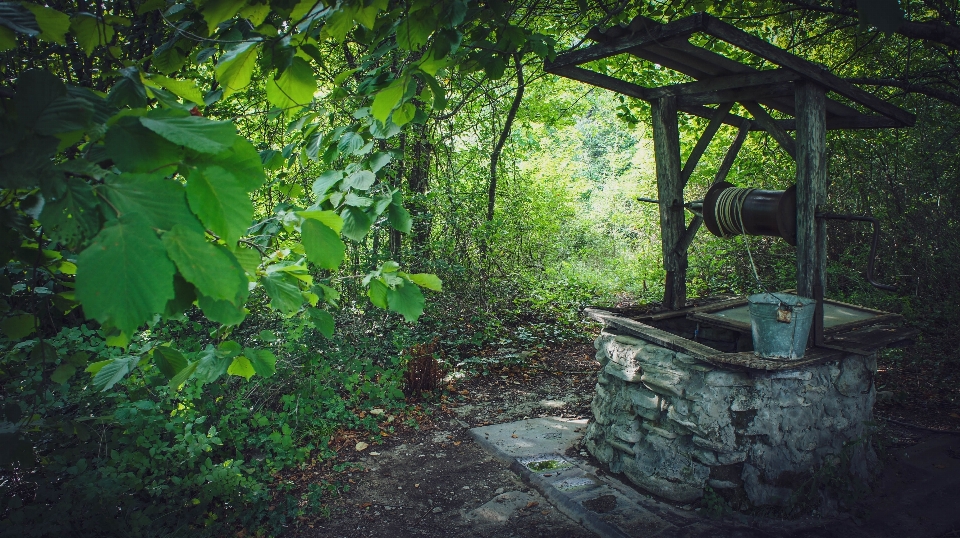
(728, 82)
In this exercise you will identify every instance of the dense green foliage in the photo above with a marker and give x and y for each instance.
(217, 218)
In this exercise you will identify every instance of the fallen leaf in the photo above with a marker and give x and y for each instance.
(361, 446)
(366, 505)
(457, 443)
(376, 411)
(531, 504)
(514, 436)
(954, 415)
(416, 485)
(545, 512)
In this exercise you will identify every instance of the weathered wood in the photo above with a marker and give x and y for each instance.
(751, 43)
(764, 92)
(770, 125)
(666, 146)
(726, 82)
(811, 193)
(862, 121)
(704, 141)
(682, 27)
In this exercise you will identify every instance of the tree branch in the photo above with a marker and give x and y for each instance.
(495, 156)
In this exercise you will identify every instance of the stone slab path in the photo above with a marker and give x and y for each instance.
(919, 495)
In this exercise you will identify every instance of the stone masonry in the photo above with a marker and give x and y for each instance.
(674, 424)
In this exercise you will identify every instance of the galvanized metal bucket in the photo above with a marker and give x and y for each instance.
(780, 323)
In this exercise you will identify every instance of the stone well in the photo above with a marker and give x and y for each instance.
(675, 416)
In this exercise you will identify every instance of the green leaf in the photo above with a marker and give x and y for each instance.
(361, 180)
(325, 182)
(295, 87)
(264, 362)
(134, 148)
(328, 218)
(169, 361)
(214, 271)
(356, 223)
(124, 276)
(403, 114)
(256, 13)
(217, 11)
(427, 280)
(197, 133)
(222, 204)
(184, 89)
(225, 312)
(43, 104)
(415, 29)
(350, 142)
(90, 31)
(63, 373)
(248, 258)
(322, 244)
(398, 216)
(8, 39)
(367, 16)
(128, 90)
(406, 300)
(387, 99)
(379, 160)
(114, 371)
(339, 23)
(162, 202)
(183, 375)
(211, 366)
(17, 18)
(97, 366)
(17, 327)
(267, 335)
(323, 321)
(378, 293)
(284, 292)
(241, 367)
(71, 217)
(235, 67)
(242, 160)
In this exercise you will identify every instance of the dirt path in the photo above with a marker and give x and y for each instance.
(436, 481)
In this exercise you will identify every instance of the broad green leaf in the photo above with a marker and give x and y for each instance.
(267, 335)
(398, 216)
(356, 223)
(350, 142)
(325, 182)
(211, 366)
(72, 216)
(328, 218)
(8, 39)
(43, 104)
(114, 371)
(406, 300)
(197, 133)
(217, 11)
(427, 280)
(183, 375)
(90, 31)
(17, 18)
(322, 320)
(339, 23)
(17, 327)
(242, 160)
(439, 95)
(222, 204)
(248, 258)
(224, 312)
(235, 67)
(134, 148)
(212, 270)
(169, 361)
(355, 200)
(415, 29)
(162, 202)
(264, 362)
(379, 160)
(240, 366)
(361, 180)
(387, 99)
(29, 163)
(63, 373)
(128, 90)
(284, 292)
(124, 276)
(256, 13)
(322, 245)
(378, 293)
(366, 16)
(184, 89)
(97, 366)
(403, 114)
(295, 86)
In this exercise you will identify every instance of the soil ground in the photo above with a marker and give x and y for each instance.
(434, 481)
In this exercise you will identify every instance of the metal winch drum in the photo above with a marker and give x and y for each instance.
(729, 210)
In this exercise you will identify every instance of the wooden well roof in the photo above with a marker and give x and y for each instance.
(721, 80)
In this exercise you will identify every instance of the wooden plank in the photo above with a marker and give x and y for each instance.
(861, 121)
(682, 27)
(704, 141)
(767, 51)
(811, 193)
(748, 361)
(764, 92)
(718, 321)
(653, 334)
(770, 125)
(728, 82)
(729, 119)
(666, 146)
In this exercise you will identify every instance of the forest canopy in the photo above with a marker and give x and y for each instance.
(213, 209)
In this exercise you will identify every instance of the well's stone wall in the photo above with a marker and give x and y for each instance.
(674, 424)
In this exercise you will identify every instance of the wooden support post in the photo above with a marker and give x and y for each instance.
(704, 141)
(811, 195)
(666, 146)
(771, 126)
